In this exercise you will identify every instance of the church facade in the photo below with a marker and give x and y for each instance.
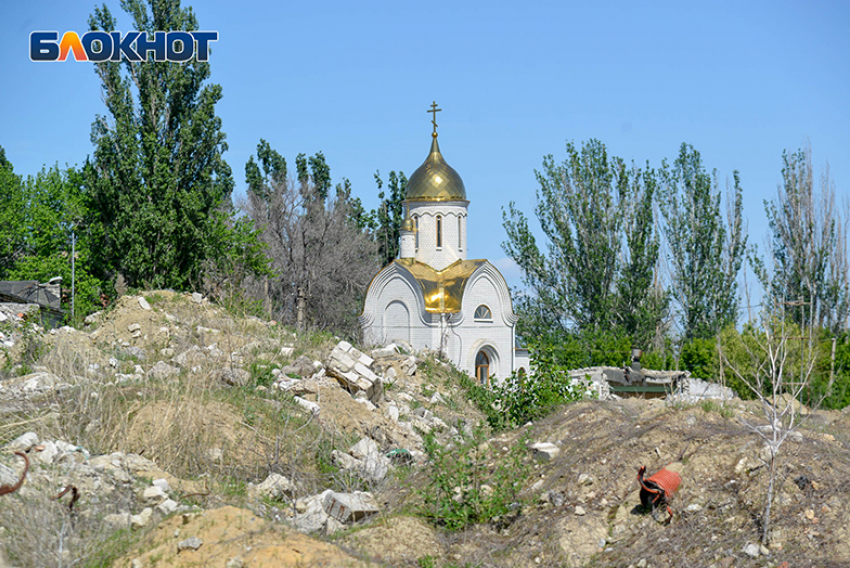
(432, 296)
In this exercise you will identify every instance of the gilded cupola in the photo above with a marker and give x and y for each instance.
(435, 180)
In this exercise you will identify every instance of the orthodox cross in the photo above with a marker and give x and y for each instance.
(434, 110)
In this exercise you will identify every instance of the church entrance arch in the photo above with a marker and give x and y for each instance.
(482, 368)
(397, 321)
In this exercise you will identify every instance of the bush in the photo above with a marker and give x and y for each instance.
(468, 483)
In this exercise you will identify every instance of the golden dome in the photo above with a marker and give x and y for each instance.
(407, 225)
(435, 180)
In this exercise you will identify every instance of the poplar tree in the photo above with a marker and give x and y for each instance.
(159, 185)
(705, 251)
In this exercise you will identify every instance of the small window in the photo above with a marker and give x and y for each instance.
(416, 225)
(459, 233)
(439, 232)
(482, 312)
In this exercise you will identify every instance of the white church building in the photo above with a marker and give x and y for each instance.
(432, 297)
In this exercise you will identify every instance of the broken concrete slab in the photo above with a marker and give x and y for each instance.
(350, 507)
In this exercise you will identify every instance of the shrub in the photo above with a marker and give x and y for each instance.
(468, 483)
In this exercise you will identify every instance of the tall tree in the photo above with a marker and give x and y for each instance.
(389, 215)
(705, 252)
(12, 230)
(582, 206)
(809, 246)
(323, 260)
(159, 185)
(641, 303)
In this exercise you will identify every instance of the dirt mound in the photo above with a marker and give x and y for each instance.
(229, 535)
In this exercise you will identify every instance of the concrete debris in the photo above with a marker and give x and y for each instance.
(141, 520)
(191, 543)
(162, 370)
(23, 443)
(352, 369)
(692, 390)
(350, 507)
(544, 451)
(153, 495)
(275, 488)
(308, 405)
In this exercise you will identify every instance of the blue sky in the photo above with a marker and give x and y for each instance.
(741, 81)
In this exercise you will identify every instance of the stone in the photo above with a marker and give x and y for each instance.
(191, 543)
(275, 488)
(143, 303)
(752, 550)
(117, 521)
(167, 507)
(384, 352)
(306, 404)
(197, 298)
(141, 520)
(162, 483)
(312, 517)
(350, 507)
(344, 461)
(580, 512)
(424, 413)
(134, 327)
(544, 451)
(234, 376)
(585, 479)
(162, 370)
(235, 562)
(392, 412)
(47, 454)
(23, 443)
(153, 495)
(287, 351)
(39, 382)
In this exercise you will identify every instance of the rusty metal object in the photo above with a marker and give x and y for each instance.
(658, 489)
(75, 495)
(4, 489)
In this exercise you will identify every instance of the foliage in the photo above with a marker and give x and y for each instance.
(599, 272)
(467, 483)
(809, 247)
(56, 208)
(322, 260)
(159, 186)
(706, 255)
(12, 226)
(389, 215)
(525, 397)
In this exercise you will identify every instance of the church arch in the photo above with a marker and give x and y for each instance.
(484, 362)
(397, 321)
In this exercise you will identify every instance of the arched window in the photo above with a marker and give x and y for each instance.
(416, 225)
(459, 232)
(482, 368)
(482, 312)
(439, 231)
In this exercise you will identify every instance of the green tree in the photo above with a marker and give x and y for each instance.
(11, 216)
(602, 249)
(54, 209)
(159, 185)
(389, 215)
(705, 253)
(809, 246)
